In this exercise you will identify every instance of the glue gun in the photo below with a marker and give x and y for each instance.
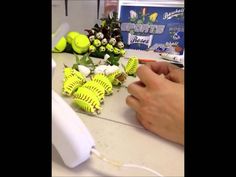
(70, 136)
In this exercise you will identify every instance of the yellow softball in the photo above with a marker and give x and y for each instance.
(70, 36)
(81, 44)
(60, 46)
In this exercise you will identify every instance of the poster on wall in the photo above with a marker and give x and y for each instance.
(157, 28)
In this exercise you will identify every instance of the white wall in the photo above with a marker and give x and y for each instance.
(82, 14)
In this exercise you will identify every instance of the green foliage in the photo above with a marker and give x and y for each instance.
(68, 48)
(113, 59)
(84, 60)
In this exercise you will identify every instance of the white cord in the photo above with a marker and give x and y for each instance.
(115, 163)
(143, 167)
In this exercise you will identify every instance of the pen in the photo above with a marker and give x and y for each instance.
(144, 61)
(170, 57)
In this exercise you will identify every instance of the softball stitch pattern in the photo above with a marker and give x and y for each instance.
(96, 88)
(69, 72)
(71, 84)
(88, 95)
(131, 66)
(87, 100)
(103, 81)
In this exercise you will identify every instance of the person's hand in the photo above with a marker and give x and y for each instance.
(158, 101)
(170, 71)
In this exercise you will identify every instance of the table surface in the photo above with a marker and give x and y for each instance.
(118, 136)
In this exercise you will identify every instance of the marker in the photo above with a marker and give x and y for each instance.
(170, 57)
(141, 60)
(144, 61)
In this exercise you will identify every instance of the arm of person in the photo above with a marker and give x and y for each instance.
(159, 101)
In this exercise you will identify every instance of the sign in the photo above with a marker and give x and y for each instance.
(157, 28)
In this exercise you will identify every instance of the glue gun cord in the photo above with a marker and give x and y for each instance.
(115, 163)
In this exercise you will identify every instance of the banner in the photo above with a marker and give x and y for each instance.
(136, 39)
(157, 28)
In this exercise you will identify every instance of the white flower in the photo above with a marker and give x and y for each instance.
(106, 56)
(84, 70)
(110, 15)
(176, 36)
(100, 69)
(133, 14)
(111, 69)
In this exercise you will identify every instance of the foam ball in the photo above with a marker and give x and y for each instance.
(109, 47)
(92, 48)
(70, 36)
(116, 51)
(81, 44)
(97, 43)
(122, 52)
(102, 49)
(60, 46)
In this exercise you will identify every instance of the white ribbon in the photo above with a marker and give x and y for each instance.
(136, 39)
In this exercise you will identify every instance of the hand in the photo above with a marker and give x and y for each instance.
(159, 102)
(170, 71)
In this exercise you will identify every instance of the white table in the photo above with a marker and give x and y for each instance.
(118, 136)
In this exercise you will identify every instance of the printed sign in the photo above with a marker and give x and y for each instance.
(153, 28)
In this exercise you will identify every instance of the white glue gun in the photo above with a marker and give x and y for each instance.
(70, 136)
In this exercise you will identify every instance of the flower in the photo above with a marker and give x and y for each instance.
(153, 17)
(110, 15)
(106, 56)
(133, 14)
(144, 10)
(100, 69)
(84, 70)
(176, 36)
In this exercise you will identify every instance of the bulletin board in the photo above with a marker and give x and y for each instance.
(157, 27)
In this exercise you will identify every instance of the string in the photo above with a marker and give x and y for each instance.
(119, 164)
